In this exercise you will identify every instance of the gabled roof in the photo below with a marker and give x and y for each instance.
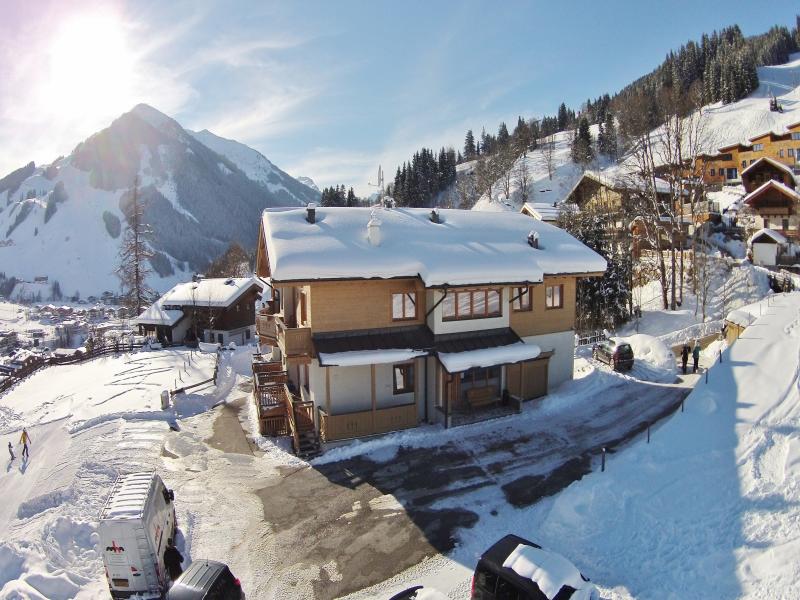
(766, 159)
(547, 211)
(775, 236)
(771, 184)
(215, 292)
(156, 314)
(464, 248)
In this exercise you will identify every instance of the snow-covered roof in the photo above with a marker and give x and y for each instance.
(773, 162)
(550, 571)
(456, 362)
(128, 497)
(777, 236)
(782, 188)
(622, 177)
(156, 314)
(464, 248)
(218, 293)
(547, 211)
(740, 318)
(367, 357)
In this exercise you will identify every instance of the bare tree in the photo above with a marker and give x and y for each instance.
(522, 178)
(548, 152)
(466, 189)
(134, 254)
(486, 174)
(505, 166)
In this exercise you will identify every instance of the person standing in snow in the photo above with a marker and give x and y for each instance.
(685, 356)
(25, 439)
(172, 560)
(696, 355)
(11, 451)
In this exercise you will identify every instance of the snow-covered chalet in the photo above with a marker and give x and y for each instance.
(386, 318)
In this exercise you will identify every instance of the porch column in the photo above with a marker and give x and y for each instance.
(374, 396)
(328, 390)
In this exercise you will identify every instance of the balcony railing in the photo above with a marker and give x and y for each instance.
(293, 341)
(367, 422)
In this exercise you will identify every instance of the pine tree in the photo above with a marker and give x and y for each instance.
(563, 117)
(134, 254)
(469, 146)
(503, 138)
(351, 198)
(582, 152)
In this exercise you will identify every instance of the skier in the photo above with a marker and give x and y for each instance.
(696, 355)
(684, 356)
(11, 451)
(25, 439)
(172, 560)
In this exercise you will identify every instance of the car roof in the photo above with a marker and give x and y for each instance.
(196, 578)
(495, 556)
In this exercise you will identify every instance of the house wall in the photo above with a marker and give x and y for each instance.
(562, 345)
(354, 305)
(763, 173)
(541, 320)
(350, 389)
(438, 325)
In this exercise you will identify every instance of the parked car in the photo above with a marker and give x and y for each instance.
(206, 580)
(136, 523)
(516, 569)
(617, 355)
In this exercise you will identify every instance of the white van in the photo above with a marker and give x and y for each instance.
(135, 524)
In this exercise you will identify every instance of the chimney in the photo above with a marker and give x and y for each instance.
(533, 239)
(311, 212)
(435, 216)
(374, 230)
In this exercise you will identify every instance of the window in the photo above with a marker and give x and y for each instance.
(758, 147)
(732, 173)
(785, 224)
(404, 378)
(554, 296)
(247, 334)
(404, 306)
(795, 135)
(766, 223)
(791, 151)
(714, 172)
(522, 299)
(471, 304)
(780, 152)
(752, 160)
(744, 164)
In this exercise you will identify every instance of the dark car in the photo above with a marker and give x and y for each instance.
(528, 562)
(617, 355)
(206, 580)
(408, 594)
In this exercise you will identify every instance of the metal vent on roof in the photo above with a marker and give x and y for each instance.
(533, 239)
(311, 212)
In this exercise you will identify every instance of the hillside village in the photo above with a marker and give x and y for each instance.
(583, 333)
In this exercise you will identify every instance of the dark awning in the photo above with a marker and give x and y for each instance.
(395, 338)
(475, 340)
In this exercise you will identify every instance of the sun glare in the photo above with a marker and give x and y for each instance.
(90, 66)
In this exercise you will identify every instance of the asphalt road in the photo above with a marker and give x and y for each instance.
(360, 521)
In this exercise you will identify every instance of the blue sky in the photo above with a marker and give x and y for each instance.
(328, 89)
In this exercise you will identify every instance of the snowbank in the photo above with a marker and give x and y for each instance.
(740, 317)
(651, 349)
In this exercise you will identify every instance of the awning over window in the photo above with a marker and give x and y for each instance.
(456, 362)
(368, 357)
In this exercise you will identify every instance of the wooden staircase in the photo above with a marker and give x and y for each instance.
(281, 413)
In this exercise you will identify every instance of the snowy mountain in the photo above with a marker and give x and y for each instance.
(64, 220)
(309, 182)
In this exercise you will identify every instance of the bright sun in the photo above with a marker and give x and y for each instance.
(91, 67)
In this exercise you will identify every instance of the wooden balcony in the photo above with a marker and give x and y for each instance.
(266, 328)
(294, 342)
(368, 422)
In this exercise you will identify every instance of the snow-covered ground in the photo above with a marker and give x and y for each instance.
(87, 422)
(710, 508)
